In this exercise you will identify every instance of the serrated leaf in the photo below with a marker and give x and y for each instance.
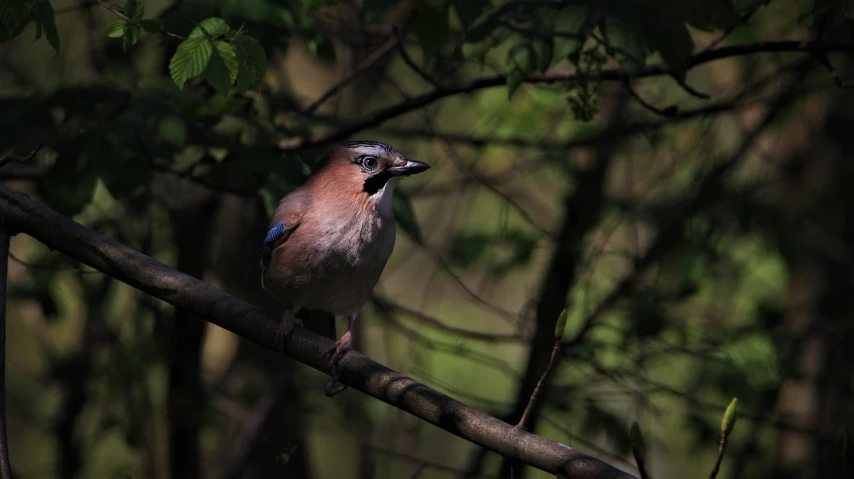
(431, 27)
(626, 42)
(131, 36)
(217, 73)
(134, 9)
(229, 56)
(117, 29)
(152, 25)
(190, 60)
(213, 27)
(251, 62)
(404, 215)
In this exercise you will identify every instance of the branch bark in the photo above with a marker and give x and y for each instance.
(20, 213)
(5, 464)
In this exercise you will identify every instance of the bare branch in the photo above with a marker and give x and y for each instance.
(523, 422)
(5, 464)
(357, 371)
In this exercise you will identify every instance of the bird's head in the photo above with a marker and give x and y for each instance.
(368, 167)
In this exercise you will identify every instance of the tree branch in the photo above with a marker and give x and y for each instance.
(611, 74)
(20, 213)
(5, 464)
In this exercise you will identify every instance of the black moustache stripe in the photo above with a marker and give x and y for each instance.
(376, 182)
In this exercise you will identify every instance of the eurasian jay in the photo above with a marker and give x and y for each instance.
(329, 239)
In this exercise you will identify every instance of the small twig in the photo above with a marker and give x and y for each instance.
(721, 450)
(128, 19)
(688, 88)
(366, 64)
(825, 62)
(552, 363)
(668, 112)
(14, 159)
(410, 62)
(5, 465)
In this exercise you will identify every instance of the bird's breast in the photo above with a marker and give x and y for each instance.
(332, 262)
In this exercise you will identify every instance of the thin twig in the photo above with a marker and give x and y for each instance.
(128, 19)
(5, 465)
(721, 449)
(552, 363)
(410, 62)
(366, 64)
(668, 112)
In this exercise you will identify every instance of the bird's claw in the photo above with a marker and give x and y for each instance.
(338, 349)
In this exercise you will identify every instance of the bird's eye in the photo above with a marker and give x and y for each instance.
(369, 162)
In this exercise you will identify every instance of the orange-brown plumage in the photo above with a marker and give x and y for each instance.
(330, 238)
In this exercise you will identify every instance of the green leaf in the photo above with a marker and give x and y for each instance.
(190, 60)
(152, 25)
(229, 56)
(213, 27)
(134, 9)
(131, 36)
(667, 34)
(173, 130)
(578, 20)
(470, 10)
(117, 29)
(560, 326)
(521, 62)
(431, 27)
(404, 214)
(14, 16)
(729, 418)
(45, 19)
(217, 73)
(626, 42)
(251, 62)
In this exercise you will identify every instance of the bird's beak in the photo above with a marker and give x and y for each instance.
(411, 167)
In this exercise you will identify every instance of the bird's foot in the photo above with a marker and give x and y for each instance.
(333, 355)
(338, 349)
(286, 327)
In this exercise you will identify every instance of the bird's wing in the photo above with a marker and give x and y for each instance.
(285, 220)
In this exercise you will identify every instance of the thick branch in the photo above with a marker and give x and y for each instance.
(20, 213)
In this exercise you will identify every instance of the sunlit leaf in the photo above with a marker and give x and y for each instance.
(190, 60)
(134, 9)
(117, 29)
(131, 36)
(229, 56)
(213, 27)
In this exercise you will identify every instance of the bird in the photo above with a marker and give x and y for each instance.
(329, 239)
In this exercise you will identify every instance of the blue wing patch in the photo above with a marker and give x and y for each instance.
(274, 235)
